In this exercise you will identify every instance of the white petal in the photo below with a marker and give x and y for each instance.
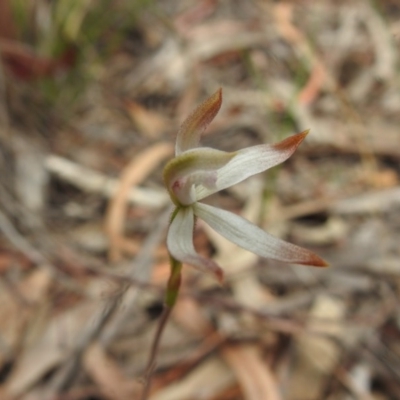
(251, 161)
(180, 243)
(250, 237)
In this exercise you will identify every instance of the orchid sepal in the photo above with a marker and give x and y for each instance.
(180, 243)
(250, 161)
(252, 238)
(191, 129)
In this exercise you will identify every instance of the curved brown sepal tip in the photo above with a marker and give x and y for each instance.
(292, 142)
(315, 261)
(209, 108)
(204, 113)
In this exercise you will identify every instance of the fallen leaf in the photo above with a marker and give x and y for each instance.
(316, 352)
(254, 375)
(108, 375)
(133, 174)
(149, 123)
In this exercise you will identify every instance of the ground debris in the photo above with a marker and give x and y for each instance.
(89, 111)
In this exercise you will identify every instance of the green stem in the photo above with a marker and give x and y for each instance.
(174, 282)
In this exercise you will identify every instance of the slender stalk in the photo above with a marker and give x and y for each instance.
(171, 295)
(154, 349)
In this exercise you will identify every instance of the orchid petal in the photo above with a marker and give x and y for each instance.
(187, 169)
(192, 128)
(180, 243)
(251, 161)
(250, 237)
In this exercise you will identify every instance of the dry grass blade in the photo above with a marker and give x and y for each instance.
(94, 182)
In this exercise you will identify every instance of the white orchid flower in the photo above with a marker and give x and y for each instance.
(197, 172)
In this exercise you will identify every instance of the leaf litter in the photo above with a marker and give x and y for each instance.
(76, 321)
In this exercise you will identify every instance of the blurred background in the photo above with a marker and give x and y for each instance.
(92, 94)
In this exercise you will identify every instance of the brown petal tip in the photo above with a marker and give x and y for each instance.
(204, 113)
(315, 261)
(292, 142)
